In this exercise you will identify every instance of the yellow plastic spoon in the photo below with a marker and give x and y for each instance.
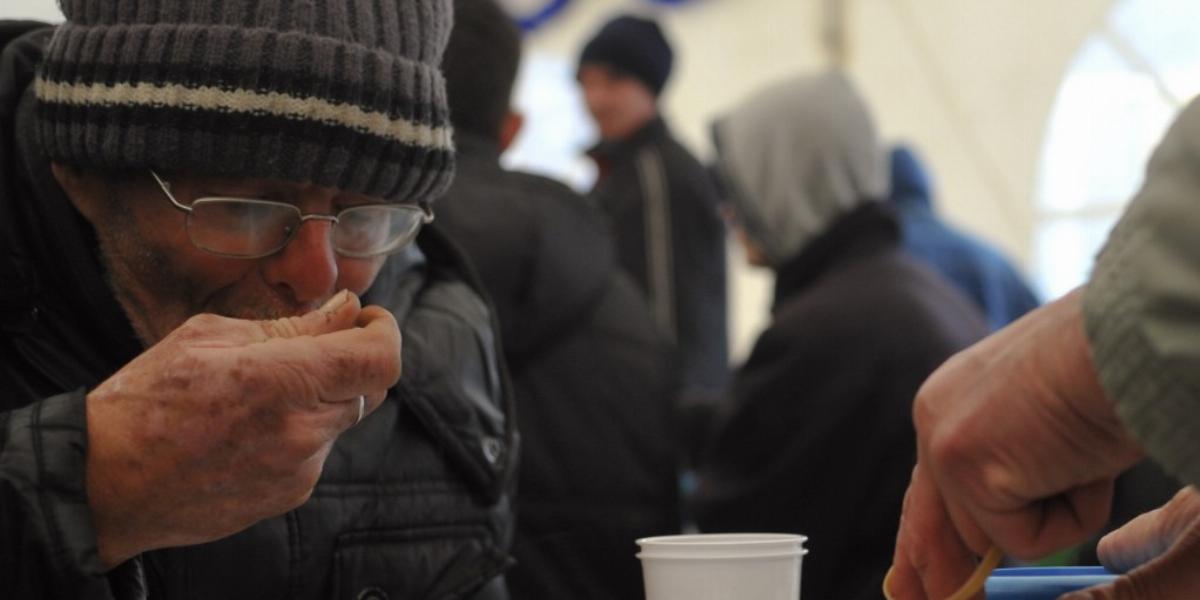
(974, 583)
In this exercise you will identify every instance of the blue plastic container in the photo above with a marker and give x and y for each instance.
(1042, 583)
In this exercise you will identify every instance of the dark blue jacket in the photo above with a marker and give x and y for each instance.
(974, 267)
(663, 210)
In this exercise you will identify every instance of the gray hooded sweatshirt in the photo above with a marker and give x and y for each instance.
(797, 156)
(817, 435)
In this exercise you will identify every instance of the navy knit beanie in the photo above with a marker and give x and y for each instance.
(634, 46)
(345, 94)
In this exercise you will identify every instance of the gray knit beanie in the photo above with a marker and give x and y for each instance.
(343, 94)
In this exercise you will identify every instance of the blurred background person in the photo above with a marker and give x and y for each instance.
(819, 439)
(662, 207)
(974, 267)
(599, 462)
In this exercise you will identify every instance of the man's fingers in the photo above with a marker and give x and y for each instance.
(334, 367)
(1162, 547)
(1136, 543)
(939, 559)
(314, 368)
(377, 327)
(902, 582)
(339, 312)
(1151, 534)
(1170, 576)
(1050, 524)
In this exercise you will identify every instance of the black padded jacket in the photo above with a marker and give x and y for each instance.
(593, 380)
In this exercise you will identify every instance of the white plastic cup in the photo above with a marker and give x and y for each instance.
(722, 566)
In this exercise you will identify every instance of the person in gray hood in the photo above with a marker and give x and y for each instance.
(817, 439)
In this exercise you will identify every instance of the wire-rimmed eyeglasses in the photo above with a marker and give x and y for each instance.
(254, 228)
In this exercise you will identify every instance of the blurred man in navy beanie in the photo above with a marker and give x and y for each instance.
(599, 459)
(660, 202)
(634, 46)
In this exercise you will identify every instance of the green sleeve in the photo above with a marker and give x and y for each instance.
(1142, 305)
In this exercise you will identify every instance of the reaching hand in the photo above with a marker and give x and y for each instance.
(1017, 447)
(226, 422)
(1160, 550)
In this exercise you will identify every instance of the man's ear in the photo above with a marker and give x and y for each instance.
(513, 122)
(82, 190)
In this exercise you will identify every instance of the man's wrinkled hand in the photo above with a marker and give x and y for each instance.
(226, 422)
(1017, 448)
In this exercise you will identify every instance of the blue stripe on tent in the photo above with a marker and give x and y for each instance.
(535, 20)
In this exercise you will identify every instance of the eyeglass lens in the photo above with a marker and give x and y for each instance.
(252, 228)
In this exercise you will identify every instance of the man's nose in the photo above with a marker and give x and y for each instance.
(306, 269)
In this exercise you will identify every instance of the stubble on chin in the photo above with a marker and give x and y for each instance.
(152, 291)
(153, 309)
(158, 297)
(157, 308)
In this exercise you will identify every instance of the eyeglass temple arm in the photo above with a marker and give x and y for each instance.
(166, 188)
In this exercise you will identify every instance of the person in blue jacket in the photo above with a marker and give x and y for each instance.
(976, 268)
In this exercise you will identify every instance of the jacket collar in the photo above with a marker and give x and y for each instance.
(614, 150)
(477, 147)
(864, 231)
